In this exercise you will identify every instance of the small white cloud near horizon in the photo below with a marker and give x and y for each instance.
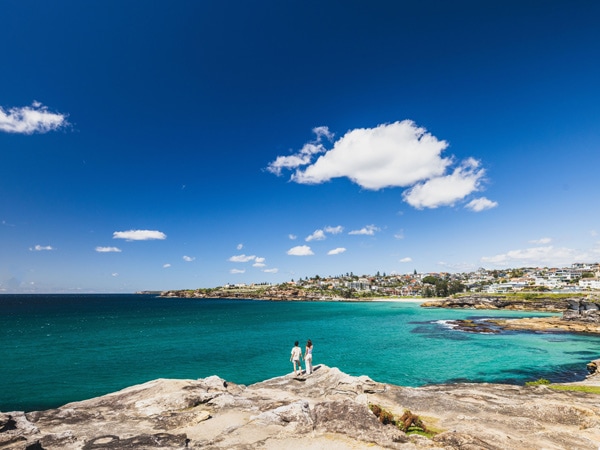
(242, 258)
(166, 266)
(398, 154)
(108, 249)
(31, 119)
(542, 241)
(259, 262)
(300, 250)
(320, 234)
(41, 248)
(292, 237)
(115, 274)
(239, 246)
(188, 258)
(406, 260)
(399, 235)
(271, 270)
(139, 235)
(481, 204)
(336, 251)
(236, 271)
(368, 230)
(548, 256)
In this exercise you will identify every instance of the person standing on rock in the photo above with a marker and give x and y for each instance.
(296, 357)
(308, 357)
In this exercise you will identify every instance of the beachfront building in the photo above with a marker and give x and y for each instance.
(590, 283)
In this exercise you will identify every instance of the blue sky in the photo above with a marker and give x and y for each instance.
(165, 145)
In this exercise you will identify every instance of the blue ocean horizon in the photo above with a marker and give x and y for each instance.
(63, 348)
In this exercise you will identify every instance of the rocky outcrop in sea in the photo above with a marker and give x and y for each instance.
(328, 409)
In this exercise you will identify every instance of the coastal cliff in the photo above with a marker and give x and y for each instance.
(328, 409)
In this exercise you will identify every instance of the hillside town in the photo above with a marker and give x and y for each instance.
(577, 278)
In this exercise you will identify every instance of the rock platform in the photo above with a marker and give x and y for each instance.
(325, 410)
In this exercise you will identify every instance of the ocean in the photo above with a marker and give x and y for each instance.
(62, 348)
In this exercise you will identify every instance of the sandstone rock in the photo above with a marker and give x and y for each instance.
(328, 409)
(486, 301)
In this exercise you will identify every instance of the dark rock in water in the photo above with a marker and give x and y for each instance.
(593, 367)
(472, 326)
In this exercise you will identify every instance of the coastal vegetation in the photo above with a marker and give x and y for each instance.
(565, 387)
(576, 388)
(408, 422)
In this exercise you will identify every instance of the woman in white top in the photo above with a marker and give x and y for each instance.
(308, 357)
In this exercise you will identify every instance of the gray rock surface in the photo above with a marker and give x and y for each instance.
(328, 409)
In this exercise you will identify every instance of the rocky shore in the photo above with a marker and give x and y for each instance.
(579, 315)
(328, 409)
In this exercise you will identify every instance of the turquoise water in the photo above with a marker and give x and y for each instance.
(62, 348)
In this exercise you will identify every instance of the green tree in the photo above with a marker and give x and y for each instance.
(455, 286)
(427, 291)
(441, 288)
(430, 279)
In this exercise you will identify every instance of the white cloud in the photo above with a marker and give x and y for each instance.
(537, 256)
(259, 262)
(369, 230)
(318, 235)
(188, 258)
(446, 190)
(108, 250)
(235, 271)
(240, 246)
(293, 237)
(481, 204)
(323, 132)
(31, 119)
(398, 154)
(300, 250)
(166, 266)
(304, 156)
(139, 235)
(242, 258)
(542, 241)
(399, 235)
(406, 260)
(336, 251)
(115, 274)
(271, 270)
(334, 230)
(41, 248)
